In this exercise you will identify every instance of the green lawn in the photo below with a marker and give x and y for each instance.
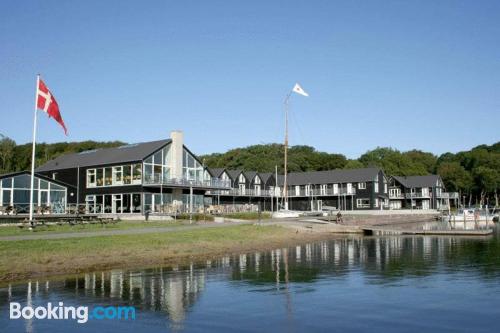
(54, 228)
(25, 259)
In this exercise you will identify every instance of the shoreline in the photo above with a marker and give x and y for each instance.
(43, 258)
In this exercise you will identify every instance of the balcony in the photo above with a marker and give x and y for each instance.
(396, 196)
(418, 195)
(243, 193)
(448, 195)
(213, 183)
(320, 192)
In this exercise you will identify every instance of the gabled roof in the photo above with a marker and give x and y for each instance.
(37, 175)
(266, 176)
(123, 154)
(216, 172)
(331, 176)
(418, 181)
(233, 174)
(250, 175)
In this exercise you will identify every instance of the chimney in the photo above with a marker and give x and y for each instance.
(176, 153)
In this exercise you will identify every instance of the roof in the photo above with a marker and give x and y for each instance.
(233, 174)
(266, 176)
(418, 181)
(122, 154)
(216, 172)
(250, 175)
(37, 175)
(330, 176)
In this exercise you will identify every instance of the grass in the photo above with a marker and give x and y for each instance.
(22, 260)
(13, 230)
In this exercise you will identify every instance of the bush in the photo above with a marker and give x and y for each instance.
(196, 217)
(248, 215)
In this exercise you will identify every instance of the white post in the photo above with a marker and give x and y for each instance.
(33, 152)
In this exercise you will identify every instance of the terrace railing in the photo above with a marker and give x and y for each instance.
(183, 182)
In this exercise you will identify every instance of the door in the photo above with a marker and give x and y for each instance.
(116, 206)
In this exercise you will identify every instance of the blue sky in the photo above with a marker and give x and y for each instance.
(406, 74)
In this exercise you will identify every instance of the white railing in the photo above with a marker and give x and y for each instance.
(206, 183)
(448, 195)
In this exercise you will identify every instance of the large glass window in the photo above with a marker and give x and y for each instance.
(156, 167)
(15, 191)
(191, 168)
(115, 176)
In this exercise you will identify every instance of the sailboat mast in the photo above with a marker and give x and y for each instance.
(285, 185)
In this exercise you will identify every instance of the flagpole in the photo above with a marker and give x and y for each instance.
(33, 152)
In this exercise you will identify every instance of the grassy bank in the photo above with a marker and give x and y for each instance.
(27, 259)
(13, 230)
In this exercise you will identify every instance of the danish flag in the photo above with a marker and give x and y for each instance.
(46, 102)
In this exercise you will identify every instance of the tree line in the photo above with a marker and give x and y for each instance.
(475, 173)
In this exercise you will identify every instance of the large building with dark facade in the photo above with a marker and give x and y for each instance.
(164, 176)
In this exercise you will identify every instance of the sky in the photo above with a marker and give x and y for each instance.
(405, 74)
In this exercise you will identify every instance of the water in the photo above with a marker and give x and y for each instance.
(350, 284)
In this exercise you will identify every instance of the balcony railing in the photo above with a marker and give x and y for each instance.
(396, 196)
(417, 195)
(182, 182)
(243, 192)
(316, 192)
(448, 195)
(291, 192)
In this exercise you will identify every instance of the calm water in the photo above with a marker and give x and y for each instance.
(390, 284)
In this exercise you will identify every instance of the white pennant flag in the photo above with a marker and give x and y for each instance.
(298, 89)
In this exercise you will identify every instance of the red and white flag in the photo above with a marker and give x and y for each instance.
(46, 102)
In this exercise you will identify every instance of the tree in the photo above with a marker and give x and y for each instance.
(6, 154)
(455, 177)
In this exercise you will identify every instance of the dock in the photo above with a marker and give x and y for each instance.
(453, 232)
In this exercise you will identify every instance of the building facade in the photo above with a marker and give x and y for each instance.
(419, 192)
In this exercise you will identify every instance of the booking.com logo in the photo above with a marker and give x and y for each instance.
(81, 314)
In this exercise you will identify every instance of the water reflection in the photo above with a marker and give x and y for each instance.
(171, 293)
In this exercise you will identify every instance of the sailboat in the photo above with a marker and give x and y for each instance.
(285, 212)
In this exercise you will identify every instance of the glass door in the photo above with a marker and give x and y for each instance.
(116, 206)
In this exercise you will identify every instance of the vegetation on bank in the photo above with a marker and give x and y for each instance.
(14, 230)
(27, 259)
(249, 215)
(474, 173)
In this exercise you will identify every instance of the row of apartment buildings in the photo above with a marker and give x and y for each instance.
(161, 175)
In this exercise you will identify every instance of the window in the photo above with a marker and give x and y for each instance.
(127, 174)
(335, 188)
(191, 168)
(91, 179)
(108, 176)
(375, 187)
(137, 173)
(100, 177)
(117, 175)
(363, 203)
(361, 186)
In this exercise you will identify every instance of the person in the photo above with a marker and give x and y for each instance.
(339, 218)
